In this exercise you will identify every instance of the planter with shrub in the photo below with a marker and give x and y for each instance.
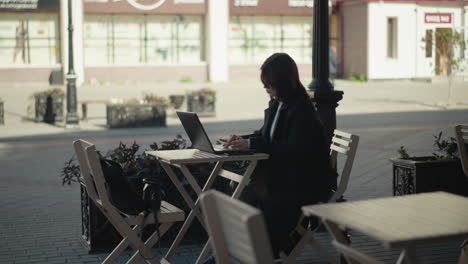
(176, 100)
(202, 102)
(97, 234)
(440, 172)
(48, 105)
(151, 111)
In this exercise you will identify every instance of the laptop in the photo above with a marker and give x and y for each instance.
(197, 134)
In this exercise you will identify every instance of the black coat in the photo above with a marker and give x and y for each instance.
(299, 167)
(298, 171)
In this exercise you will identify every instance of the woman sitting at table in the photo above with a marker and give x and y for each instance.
(298, 171)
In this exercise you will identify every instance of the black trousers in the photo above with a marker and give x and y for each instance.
(281, 214)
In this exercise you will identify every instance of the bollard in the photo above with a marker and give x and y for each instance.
(84, 111)
(2, 113)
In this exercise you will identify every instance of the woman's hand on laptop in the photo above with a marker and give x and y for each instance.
(235, 142)
(227, 142)
(239, 144)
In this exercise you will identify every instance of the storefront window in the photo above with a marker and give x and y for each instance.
(253, 38)
(142, 39)
(392, 37)
(27, 38)
(97, 39)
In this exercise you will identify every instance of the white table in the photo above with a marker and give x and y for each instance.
(398, 222)
(182, 158)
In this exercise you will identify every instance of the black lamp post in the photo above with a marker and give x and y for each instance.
(71, 119)
(324, 95)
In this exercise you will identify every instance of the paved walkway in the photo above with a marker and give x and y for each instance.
(39, 232)
(235, 100)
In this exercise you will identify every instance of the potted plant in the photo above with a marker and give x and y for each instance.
(97, 234)
(48, 105)
(202, 102)
(176, 100)
(149, 111)
(440, 172)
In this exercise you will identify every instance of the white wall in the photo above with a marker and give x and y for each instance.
(379, 66)
(217, 23)
(411, 61)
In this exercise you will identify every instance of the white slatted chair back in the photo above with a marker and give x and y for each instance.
(353, 256)
(91, 172)
(237, 230)
(346, 144)
(461, 133)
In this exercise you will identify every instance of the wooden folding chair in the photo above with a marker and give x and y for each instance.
(461, 133)
(342, 143)
(353, 256)
(128, 226)
(237, 230)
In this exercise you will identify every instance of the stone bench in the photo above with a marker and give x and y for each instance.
(84, 106)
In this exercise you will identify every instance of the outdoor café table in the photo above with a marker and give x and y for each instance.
(182, 158)
(398, 222)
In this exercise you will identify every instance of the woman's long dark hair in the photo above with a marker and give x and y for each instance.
(280, 72)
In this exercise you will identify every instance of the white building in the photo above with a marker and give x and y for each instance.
(384, 39)
(183, 40)
(152, 40)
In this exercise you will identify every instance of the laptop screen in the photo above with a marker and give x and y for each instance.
(195, 131)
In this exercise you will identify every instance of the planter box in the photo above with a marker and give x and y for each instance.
(49, 109)
(177, 100)
(136, 115)
(201, 105)
(97, 233)
(2, 113)
(425, 174)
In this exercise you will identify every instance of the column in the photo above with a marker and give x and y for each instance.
(324, 94)
(217, 23)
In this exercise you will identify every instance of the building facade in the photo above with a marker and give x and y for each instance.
(221, 40)
(396, 39)
(30, 40)
(151, 40)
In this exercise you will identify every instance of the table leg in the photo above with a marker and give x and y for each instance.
(192, 205)
(204, 253)
(181, 188)
(408, 255)
(335, 231)
(244, 181)
(191, 179)
(463, 259)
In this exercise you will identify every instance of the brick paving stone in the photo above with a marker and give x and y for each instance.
(41, 220)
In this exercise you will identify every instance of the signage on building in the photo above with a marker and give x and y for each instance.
(148, 4)
(245, 2)
(189, 1)
(438, 18)
(301, 3)
(29, 4)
